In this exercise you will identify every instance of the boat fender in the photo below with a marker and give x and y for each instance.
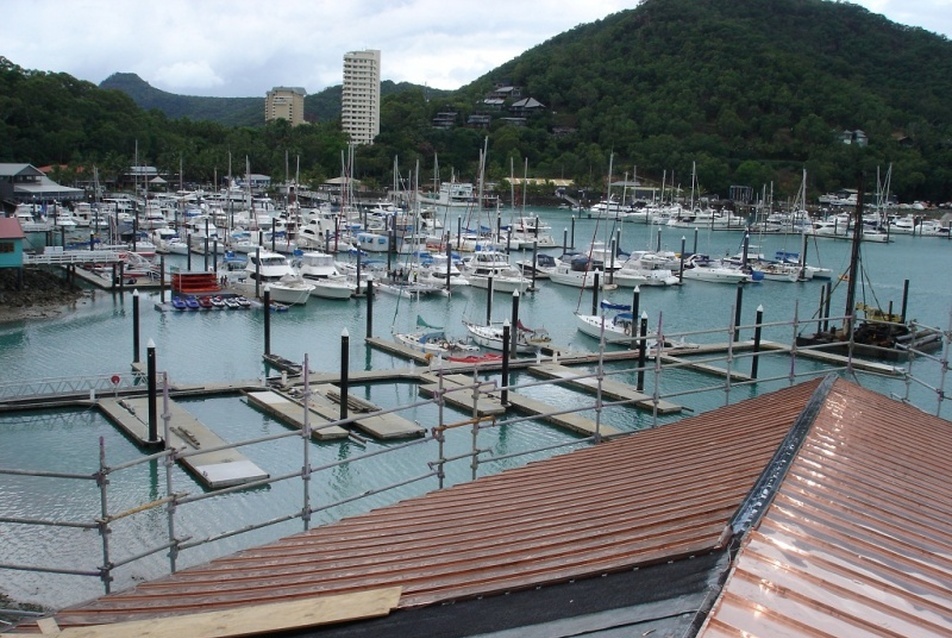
(627, 330)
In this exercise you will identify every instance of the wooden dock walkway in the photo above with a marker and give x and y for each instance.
(610, 389)
(699, 366)
(570, 420)
(458, 392)
(831, 358)
(218, 469)
(291, 412)
(325, 400)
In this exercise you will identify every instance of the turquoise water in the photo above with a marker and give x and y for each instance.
(96, 338)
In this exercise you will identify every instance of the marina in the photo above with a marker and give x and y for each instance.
(408, 434)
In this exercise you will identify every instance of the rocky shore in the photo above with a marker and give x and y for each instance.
(42, 294)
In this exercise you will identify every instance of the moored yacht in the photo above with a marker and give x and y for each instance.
(265, 268)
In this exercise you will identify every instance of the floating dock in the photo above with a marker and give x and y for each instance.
(325, 400)
(217, 469)
(458, 392)
(324, 408)
(610, 389)
(291, 412)
(458, 389)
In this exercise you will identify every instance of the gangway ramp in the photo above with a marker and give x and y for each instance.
(215, 469)
(610, 389)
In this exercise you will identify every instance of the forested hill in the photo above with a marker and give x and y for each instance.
(722, 82)
(232, 111)
(229, 111)
(749, 92)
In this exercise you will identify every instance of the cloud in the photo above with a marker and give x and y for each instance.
(243, 48)
(182, 76)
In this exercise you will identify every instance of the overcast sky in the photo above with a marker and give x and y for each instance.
(243, 48)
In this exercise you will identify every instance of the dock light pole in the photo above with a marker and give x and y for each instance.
(135, 326)
(506, 340)
(572, 243)
(344, 365)
(515, 324)
(565, 242)
(267, 320)
(153, 408)
(489, 300)
(694, 251)
(642, 350)
(635, 302)
(756, 359)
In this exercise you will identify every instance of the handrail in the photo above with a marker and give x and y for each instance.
(111, 524)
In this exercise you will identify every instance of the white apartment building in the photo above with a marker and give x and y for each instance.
(360, 97)
(285, 103)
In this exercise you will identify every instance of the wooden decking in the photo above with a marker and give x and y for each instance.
(610, 389)
(458, 391)
(324, 412)
(216, 469)
(291, 412)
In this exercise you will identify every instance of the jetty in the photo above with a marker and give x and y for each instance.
(287, 405)
(218, 468)
(458, 391)
(291, 412)
(610, 389)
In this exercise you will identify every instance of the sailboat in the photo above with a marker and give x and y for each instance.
(881, 334)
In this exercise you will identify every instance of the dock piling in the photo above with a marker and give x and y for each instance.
(737, 310)
(267, 320)
(370, 307)
(506, 339)
(153, 409)
(757, 329)
(642, 350)
(135, 326)
(514, 322)
(344, 365)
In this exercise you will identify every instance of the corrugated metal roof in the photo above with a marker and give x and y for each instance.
(654, 496)
(858, 539)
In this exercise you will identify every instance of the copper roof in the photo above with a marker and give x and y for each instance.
(858, 539)
(654, 496)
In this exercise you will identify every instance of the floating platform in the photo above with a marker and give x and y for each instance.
(490, 404)
(217, 469)
(325, 400)
(458, 392)
(291, 412)
(610, 389)
(699, 366)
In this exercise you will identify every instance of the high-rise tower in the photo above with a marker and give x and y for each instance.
(360, 96)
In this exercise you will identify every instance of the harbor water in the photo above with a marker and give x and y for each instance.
(96, 338)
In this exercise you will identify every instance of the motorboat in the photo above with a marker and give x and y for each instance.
(320, 270)
(490, 265)
(437, 270)
(700, 268)
(265, 268)
(579, 271)
(623, 329)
